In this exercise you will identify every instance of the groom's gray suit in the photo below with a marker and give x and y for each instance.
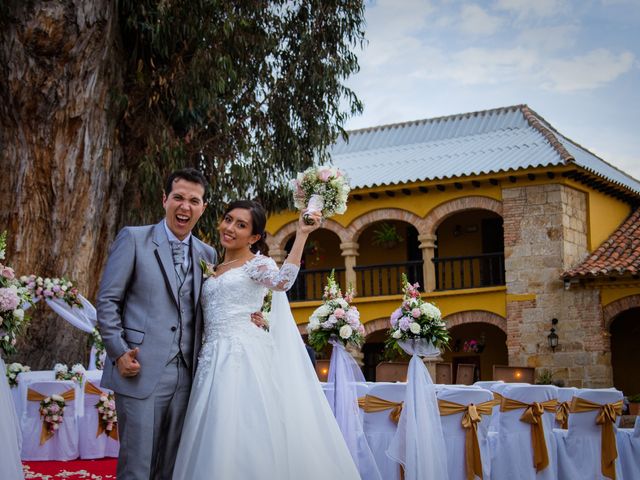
(144, 303)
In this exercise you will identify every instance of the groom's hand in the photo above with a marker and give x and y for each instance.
(258, 319)
(127, 364)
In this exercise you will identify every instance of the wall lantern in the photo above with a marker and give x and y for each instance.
(552, 338)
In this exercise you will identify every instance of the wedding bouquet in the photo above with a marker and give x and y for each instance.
(95, 340)
(335, 318)
(321, 189)
(416, 319)
(106, 407)
(13, 370)
(52, 411)
(76, 374)
(46, 287)
(13, 296)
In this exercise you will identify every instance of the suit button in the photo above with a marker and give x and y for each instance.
(173, 329)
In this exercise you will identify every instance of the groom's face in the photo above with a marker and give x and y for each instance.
(183, 205)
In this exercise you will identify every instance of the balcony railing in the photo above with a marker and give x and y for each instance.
(385, 278)
(473, 271)
(310, 283)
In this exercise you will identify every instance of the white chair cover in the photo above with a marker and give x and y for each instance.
(418, 443)
(629, 450)
(511, 446)
(380, 429)
(579, 447)
(91, 445)
(25, 380)
(565, 394)
(345, 375)
(498, 388)
(455, 434)
(64, 444)
(487, 383)
(10, 435)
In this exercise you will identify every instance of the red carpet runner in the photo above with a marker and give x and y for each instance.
(103, 469)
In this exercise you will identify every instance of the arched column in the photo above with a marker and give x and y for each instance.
(428, 248)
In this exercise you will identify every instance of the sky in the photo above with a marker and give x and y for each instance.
(575, 62)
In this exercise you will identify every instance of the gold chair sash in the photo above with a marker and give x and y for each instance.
(497, 396)
(606, 418)
(91, 389)
(373, 404)
(470, 419)
(533, 415)
(33, 396)
(562, 414)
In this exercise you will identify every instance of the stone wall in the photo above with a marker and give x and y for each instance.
(545, 229)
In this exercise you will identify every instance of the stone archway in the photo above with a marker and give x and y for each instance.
(363, 221)
(476, 316)
(612, 310)
(445, 210)
(622, 322)
(278, 241)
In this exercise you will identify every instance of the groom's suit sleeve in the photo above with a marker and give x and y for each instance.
(113, 291)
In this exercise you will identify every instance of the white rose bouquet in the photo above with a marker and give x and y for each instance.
(76, 374)
(321, 189)
(335, 318)
(416, 319)
(13, 370)
(45, 287)
(13, 297)
(107, 416)
(52, 412)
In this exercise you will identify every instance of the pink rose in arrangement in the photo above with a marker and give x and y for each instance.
(8, 299)
(7, 272)
(339, 313)
(324, 174)
(415, 313)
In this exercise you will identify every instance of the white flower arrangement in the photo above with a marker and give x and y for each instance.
(13, 370)
(52, 412)
(95, 340)
(416, 319)
(335, 318)
(13, 297)
(106, 407)
(76, 374)
(45, 287)
(330, 183)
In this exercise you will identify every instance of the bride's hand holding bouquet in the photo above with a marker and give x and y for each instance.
(321, 189)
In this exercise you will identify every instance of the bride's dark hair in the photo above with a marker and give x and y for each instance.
(258, 222)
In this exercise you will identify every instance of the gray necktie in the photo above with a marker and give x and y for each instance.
(177, 249)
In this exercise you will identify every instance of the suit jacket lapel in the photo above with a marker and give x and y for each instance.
(196, 255)
(165, 260)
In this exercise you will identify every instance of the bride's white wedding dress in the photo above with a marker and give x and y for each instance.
(257, 410)
(10, 438)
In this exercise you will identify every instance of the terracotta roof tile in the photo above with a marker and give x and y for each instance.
(618, 255)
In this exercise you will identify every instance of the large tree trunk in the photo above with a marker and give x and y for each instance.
(61, 162)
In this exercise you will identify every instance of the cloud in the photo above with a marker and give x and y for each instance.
(532, 8)
(549, 38)
(592, 70)
(475, 21)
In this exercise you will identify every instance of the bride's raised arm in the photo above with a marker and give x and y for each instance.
(265, 270)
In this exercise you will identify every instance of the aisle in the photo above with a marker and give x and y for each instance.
(102, 469)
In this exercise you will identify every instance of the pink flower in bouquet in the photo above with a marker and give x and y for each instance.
(339, 313)
(353, 317)
(54, 408)
(324, 174)
(8, 299)
(395, 316)
(404, 324)
(361, 329)
(7, 272)
(416, 312)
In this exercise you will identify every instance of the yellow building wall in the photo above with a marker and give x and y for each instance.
(605, 214)
(609, 294)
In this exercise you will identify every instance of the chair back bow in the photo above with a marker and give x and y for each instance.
(606, 418)
(562, 414)
(34, 396)
(91, 389)
(472, 415)
(533, 415)
(373, 404)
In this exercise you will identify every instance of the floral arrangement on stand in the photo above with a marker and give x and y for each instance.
(13, 370)
(335, 319)
(13, 298)
(76, 374)
(52, 412)
(45, 287)
(321, 189)
(106, 407)
(95, 340)
(416, 319)
(473, 346)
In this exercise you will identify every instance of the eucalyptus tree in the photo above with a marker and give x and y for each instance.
(100, 99)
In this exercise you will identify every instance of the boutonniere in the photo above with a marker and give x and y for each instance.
(208, 269)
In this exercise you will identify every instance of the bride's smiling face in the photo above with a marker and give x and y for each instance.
(236, 230)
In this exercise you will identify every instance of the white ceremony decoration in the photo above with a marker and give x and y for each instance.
(337, 322)
(321, 189)
(13, 370)
(418, 329)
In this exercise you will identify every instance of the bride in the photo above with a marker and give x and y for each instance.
(10, 437)
(257, 410)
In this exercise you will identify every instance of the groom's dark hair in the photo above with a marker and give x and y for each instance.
(188, 174)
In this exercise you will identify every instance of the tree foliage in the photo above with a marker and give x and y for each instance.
(247, 91)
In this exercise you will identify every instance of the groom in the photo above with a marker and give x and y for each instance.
(150, 319)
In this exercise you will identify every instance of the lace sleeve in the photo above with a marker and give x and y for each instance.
(265, 271)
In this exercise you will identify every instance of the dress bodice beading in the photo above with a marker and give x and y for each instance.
(229, 299)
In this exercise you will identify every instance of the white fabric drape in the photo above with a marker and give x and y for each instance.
(84, 318)
(419, 442)
(344, 374)
(10, 435)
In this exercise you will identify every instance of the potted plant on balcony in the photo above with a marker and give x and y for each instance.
(634, 404)
(386, 235)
